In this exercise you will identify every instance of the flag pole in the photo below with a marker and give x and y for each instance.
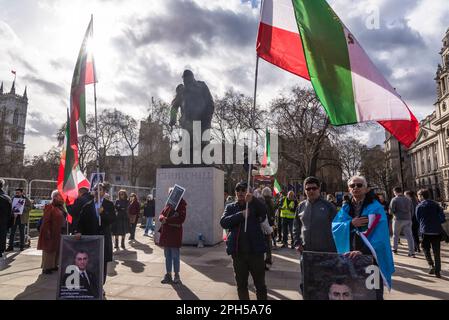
(253, 114)
(96, 128)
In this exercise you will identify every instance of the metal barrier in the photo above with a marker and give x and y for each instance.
(141, 192)
(12, 184)
(42, 191)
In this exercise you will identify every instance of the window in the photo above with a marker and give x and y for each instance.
(429, 162)
(435, 157)
(118, 178)
(16, 118)
(444, 107)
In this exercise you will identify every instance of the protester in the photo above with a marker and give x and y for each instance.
(54, 224)
(171, 238)
(430, 217)
(402, 209)
(5, 216)
(364, 218)
(149, 212)
(277, 206)
(331, 199)
(96, 219)
(19, 221)
(384, 203)
(247, 247)
(120, 227)
(312, 229)
(74, 210)
(415, 224)
(269, 224)
(133, 215)
(288, 208)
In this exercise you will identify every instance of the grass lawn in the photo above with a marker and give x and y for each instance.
(35, 215)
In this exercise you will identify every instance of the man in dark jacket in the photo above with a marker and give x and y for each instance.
(430, 217)
(96, 218)
(247, 248)
(75, 210)
(5, 216)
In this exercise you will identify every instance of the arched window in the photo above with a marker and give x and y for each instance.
(444, 107)
(15, 120)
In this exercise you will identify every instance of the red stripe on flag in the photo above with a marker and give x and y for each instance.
(283, 49)
(404, 131)
(90, 73)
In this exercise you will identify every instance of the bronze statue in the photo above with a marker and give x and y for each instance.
(196, 104)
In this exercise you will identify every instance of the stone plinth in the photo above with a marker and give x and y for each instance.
(204, 197)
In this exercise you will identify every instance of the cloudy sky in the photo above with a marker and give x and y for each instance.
(143, 46)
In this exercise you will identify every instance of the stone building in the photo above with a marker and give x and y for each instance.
(13, 113)
(430, 152)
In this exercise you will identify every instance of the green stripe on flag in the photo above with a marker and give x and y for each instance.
(326, 51)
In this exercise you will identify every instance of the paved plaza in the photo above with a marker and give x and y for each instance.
(206, 274)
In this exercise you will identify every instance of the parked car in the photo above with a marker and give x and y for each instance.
(40, 204)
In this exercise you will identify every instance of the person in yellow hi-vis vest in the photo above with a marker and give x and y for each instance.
(288, 209)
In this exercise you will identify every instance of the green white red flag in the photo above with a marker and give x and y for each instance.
(307, 38)
(277, 188)
(70, 177)
(83, 75)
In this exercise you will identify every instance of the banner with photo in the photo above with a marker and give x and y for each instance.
(81, 268)
(18, 204)
(332, 276)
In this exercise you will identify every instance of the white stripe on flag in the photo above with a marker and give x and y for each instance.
(280, 14)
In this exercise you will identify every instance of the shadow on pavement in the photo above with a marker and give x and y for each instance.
(43, 289)
(184, 293)
(412, 289)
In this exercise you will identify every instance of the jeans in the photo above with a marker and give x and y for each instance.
(433, 241)
(13, 233)
(244, 264)
(287, 226)
(279, 231)
(406, 226)
(132, 231)
(172, 259)
(149, 225)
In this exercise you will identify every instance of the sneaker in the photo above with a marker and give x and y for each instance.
(167, 279)
(432, 270)
(177, 279)
(395, 251)
(437, 274)
(412, 255)
(267, 268)
(22, 248)
(9, 249)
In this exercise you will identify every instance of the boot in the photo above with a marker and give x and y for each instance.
(123, 242)
(116, 243)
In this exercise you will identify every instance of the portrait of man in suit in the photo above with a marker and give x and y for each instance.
(78, 281)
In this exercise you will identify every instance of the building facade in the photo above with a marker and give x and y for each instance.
(13, 114)
(430, 152)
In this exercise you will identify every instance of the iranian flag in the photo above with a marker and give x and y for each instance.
(83, 75)
(70, 177)
(348, 84)
(277, 187)
(266, 160)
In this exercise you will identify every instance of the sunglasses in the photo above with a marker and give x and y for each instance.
(240, 190)
(312, 189)
(358, 185)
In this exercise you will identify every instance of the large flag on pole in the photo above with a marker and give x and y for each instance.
(83, 75)
(70, 177)
(348, 84)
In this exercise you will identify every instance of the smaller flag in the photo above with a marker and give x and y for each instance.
(277, 188)
(266, 161)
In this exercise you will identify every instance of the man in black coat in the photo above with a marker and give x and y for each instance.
(246, 248)
(96, 219)
(75, 210)
(5, 216)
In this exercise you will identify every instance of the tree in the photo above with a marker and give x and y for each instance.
(350, 156)
(304, 131)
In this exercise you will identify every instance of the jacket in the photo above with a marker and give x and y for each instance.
(171, 231)
(75, 209)
(149, 209)
(5, 209)
(89, 224)
(234, 220)
(312, 227)
(133, 211)
(288, 208)
(51, 229)
(430, 216)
